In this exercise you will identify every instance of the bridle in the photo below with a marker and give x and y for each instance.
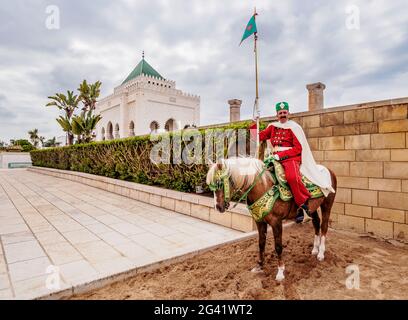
(222, 182)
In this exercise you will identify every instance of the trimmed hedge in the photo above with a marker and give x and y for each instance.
(129, 159)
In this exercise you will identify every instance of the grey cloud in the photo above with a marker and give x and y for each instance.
(5, 112)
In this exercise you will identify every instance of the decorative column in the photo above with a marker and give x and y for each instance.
(116, 133)
(316, 97)
(124, 115)
(235, 110)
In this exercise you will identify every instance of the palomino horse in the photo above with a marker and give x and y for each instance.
(241, 174)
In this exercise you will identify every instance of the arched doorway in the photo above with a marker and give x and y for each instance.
(170, 125)
(131, 129)
(117, 136)
(109, 130)
(154, 126)
(103, 134)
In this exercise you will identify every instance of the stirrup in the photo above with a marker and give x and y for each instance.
(305, 208)
(299, 216)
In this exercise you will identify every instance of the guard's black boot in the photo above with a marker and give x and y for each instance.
(300, 216)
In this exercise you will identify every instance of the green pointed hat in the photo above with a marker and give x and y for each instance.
(282, 106)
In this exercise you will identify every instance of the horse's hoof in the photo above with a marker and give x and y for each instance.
(320, 257)
(280, 277)
(257, 269)
(315, 251)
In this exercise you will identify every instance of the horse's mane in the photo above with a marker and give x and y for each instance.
(241, 170)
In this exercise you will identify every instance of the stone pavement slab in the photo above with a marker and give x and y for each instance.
(58, 235)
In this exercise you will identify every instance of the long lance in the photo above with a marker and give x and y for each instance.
(256, 104)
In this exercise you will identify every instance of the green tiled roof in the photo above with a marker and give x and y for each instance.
(143, 68)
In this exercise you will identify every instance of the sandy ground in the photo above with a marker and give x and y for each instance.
(224, 273)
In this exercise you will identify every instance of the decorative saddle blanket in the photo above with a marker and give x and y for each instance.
(280, 189)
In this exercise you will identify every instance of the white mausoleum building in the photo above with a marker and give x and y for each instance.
(145, 102)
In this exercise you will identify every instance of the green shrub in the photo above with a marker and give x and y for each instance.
(127, 159)
(22, 145)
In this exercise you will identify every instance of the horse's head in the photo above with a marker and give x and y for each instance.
(219, 183)
(232, 176)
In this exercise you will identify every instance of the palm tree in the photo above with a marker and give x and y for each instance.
(65, 124)
(68, 103)
(35, 139)
(80, 125)
(84, 125)
(51, 143)
(42, 139)
(88, 93)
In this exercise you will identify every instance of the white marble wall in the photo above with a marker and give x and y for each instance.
(144, 100)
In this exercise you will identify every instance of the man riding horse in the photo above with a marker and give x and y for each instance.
(291, 149)
(265, 191)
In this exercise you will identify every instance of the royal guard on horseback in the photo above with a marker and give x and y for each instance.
(280, 187)
(292, 150)
(288, 150)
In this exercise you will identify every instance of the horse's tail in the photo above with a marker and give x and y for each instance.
(333, 180)
(327, 204)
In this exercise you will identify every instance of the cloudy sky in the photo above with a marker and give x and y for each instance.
(195, 43)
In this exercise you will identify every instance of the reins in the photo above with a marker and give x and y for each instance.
(244, 196)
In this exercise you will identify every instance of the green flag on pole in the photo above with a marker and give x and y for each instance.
(250, 29)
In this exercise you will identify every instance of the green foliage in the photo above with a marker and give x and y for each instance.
(80, 125)
(23, 145)
(51, 143)
(88, 93)
(34, 137)
(64, 123)
(68, 103)
(83, 125)
(128, 159)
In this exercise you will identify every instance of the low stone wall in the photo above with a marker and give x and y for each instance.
(14, 158)
(197, 206)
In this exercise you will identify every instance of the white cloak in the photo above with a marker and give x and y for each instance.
(316, 173)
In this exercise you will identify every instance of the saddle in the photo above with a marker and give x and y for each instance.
(260, 208)
(279, 177)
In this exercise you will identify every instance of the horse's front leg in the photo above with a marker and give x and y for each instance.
(262, 231)
(276, 224)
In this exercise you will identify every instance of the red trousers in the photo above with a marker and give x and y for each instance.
(294, 179)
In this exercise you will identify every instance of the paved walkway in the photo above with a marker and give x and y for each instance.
(51, 227)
